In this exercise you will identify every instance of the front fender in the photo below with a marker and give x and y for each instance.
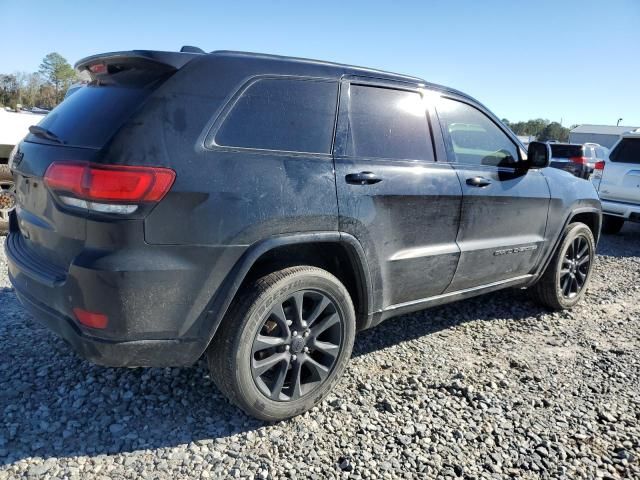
(571, 197)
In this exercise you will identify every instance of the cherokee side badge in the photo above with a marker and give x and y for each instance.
(507, 251)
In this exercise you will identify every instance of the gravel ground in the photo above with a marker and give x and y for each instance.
(486, 388)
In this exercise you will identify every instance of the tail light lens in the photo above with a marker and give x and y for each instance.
(599, 165)
(580, 160)
(108, 188)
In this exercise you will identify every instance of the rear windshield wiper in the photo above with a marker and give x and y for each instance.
(44, 133)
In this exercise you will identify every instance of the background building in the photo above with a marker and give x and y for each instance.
(526, 139)
(605, 135)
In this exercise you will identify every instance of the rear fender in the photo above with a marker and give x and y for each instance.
(224, 296)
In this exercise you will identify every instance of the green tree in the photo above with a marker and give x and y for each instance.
(9, 91)
(29, 85)
(554, 131)
(58, 73)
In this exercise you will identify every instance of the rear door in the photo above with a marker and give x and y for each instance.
(393, 195)
(621, 175)
(504, 207)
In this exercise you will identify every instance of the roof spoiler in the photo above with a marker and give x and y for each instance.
(154, 59)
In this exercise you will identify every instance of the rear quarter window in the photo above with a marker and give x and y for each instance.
(283, 114)
(627, 151)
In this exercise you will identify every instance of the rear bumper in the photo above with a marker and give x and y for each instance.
(628, 211)
(137, 353)
(156, 299)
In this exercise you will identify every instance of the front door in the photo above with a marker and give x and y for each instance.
(393, 195)
(504, 206)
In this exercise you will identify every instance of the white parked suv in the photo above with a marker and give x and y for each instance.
(13, 127)
(618, 184)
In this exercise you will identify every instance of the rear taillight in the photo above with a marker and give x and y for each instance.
(108, 188)
(599, 165)
(579, 160)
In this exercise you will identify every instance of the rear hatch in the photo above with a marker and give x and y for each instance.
(78, 130)
(621, 175)
(562, 155)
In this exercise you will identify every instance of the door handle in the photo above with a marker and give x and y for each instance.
(478, 182)
(362, 178)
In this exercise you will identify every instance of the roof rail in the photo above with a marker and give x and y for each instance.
(191, 49)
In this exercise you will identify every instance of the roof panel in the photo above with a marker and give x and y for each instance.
(602, 129)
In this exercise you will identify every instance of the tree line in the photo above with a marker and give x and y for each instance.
(44, 88)
(539, 128)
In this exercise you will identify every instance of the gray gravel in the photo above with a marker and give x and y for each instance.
(487, 388)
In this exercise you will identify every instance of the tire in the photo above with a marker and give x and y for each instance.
(262, 314)
(6, 184)
(612, 225)
(550, 290)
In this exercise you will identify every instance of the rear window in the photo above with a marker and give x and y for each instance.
(627, 151)
(566, 151)
(284, 114)
(90, 116)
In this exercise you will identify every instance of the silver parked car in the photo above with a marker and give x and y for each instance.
(618, 184)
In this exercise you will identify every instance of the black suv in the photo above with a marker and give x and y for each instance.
(262, 209)
(577, 159)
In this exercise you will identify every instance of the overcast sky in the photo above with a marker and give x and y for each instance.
(570, 61)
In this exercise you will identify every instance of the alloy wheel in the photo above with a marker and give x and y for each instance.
(575, 267)
(297, 346)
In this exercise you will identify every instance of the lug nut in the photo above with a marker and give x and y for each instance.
(295, 334)
(306, 349)
(304, 324)
(306, 333)
(286, 348)
(294, 357)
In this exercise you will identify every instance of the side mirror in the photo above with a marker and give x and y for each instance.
(538, 155)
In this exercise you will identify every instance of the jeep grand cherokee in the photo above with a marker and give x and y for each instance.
(262, 209)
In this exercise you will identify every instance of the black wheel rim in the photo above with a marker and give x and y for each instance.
(576, 263)
(297, 346)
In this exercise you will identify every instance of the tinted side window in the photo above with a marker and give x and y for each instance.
(627, 151)
(473, 137)
(561, 150)
(293, 115)
(387, 123)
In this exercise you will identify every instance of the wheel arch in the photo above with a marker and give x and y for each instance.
(590, 216)
(339, 253)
